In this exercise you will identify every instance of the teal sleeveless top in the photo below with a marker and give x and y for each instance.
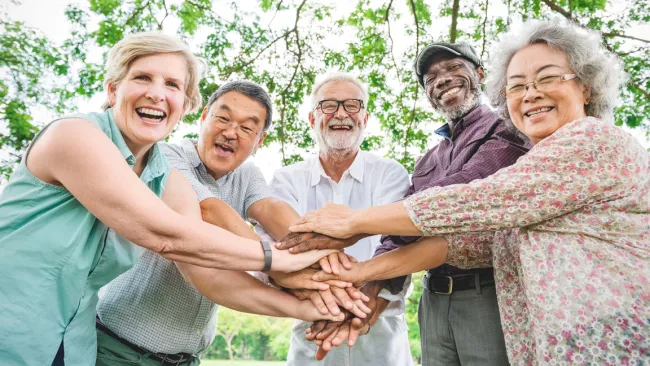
(54, 257)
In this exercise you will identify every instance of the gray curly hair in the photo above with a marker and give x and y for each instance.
(594, 66)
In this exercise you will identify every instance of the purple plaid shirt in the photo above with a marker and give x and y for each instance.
(481, 145)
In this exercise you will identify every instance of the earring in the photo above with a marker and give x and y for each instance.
(587, 101)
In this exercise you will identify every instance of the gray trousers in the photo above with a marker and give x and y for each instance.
(463, 328)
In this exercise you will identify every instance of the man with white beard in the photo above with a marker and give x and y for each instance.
(343, 174)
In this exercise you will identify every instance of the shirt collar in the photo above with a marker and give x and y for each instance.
(355, 170)
(189, 149)
(157, 165)
(472, 116)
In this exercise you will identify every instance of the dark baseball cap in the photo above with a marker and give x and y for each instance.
(461, 49)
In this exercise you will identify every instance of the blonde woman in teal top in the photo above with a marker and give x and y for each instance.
(90, 187)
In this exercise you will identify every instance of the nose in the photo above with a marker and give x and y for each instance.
(341, 112)
(531, 94)
(442, 81)
(230, 132)
(156, 92)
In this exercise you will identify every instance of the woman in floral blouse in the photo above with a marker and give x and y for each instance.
(567, 227)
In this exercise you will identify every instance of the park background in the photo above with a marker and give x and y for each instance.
(52, 54)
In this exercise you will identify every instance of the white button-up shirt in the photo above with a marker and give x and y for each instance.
(371, 180)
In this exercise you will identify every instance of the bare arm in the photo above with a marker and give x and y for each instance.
(94, 172)
(429, 252)
(274, 215)
(219, 213)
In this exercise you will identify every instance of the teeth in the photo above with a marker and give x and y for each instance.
(151, 112)
(341, 127)
(537, 111)
(450, 91)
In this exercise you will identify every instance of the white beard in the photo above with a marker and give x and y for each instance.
(333, 143)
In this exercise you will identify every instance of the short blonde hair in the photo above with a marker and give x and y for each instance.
(134, 46)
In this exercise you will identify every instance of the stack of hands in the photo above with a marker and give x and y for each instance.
(334, 285)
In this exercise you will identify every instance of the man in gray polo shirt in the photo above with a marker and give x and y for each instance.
(150, 313)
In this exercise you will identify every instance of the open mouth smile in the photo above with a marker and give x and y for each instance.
(224, 149)
(150, 115)
(536, 111)
(340, 127)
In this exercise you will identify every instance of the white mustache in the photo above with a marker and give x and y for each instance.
(338, 122)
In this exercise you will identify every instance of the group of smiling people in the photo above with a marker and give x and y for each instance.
(565, 227)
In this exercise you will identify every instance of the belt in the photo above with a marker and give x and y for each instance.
(164, 359)
(446, 285)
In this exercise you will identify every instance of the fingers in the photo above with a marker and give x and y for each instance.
(356, 294)
(321, 353)
(322, 276)
(325, 265)
(334, 263)
(293, 239)
(315, 328)
(330, 301)
(318, 302)
(302, 226)
(356, 307)
(344, 260)
(358, 327)
(330, 328)
(352, 259)
(341, 335)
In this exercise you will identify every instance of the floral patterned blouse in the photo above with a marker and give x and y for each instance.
(571, 251)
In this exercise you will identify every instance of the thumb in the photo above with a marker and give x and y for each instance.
(322, 276)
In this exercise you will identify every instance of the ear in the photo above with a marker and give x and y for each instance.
(204, 114)
(312, 119)
(365, 120)
(259, 143)
(481, 74)
(111, 90)
(586, 93)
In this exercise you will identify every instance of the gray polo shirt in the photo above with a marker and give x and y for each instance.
(151, 305)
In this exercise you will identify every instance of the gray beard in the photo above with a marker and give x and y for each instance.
(461, 110)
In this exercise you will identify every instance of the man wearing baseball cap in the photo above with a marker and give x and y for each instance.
(458, 313)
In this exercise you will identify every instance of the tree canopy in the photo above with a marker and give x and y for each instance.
(285, 44)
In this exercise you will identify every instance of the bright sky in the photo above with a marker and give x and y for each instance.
(49, 17)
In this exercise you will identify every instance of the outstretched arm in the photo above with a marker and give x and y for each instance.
(89, 169)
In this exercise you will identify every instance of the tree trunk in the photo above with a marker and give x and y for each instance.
(454, 21)
(229, 344)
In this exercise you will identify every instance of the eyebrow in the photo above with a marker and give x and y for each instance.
(518, 76)
(143, 72)
(225, 107)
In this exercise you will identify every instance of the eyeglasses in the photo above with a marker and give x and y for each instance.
(330, 106)
(543, 84)
(246, 132)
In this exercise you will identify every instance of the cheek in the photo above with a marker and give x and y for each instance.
(513, 111)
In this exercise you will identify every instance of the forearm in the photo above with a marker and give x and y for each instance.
(427, 253)
(274, 215)
(219, 213)
(252, 296)
(389, 219)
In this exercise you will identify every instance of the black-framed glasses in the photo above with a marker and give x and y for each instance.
(330, 106)
(544, 83)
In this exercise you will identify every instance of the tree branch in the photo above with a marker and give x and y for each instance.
(487, 3)
(454, 21)
(417, 29)
(616, 34)
(392, 42)
(559, 9)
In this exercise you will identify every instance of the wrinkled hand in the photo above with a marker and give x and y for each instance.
(308, 312)
(331, 334)
(332, 219)
(303, 279)
(329, 301)
(335, 261)
(354, 275)
(304, 242)
(283, 261)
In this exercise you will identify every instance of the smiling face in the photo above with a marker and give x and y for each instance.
(342, 131)
(223, 147)
(149, 101)
(452, 85)
(539, 114)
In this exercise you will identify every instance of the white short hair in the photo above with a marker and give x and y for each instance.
(338, 76)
